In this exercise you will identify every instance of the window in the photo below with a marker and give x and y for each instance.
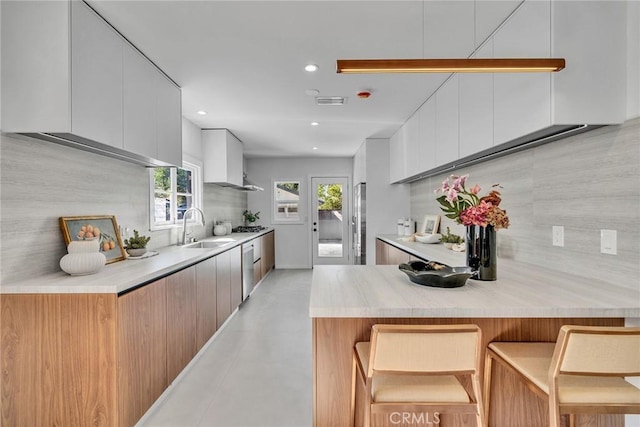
(286, 201)
(174, 190)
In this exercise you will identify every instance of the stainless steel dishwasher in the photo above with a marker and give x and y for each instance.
(247, 270)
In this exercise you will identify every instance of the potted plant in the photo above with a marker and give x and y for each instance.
(449, 239)
(250, 217)
(136, 245)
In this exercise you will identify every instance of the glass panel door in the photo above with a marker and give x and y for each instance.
(330, 221)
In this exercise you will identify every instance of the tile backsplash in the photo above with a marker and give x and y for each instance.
(585, 183)
(41, 181)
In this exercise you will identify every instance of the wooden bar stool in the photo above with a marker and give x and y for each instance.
(406, 369)
(583, 372)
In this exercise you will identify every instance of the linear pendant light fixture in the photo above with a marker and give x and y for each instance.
(475, 65)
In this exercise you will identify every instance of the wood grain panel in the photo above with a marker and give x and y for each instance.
(142, 350)
(181, 320)
(268, 253)
(235, 277)
(206, 301)
(257, 271)
(223, 287)
(55, 349)
(334, 339)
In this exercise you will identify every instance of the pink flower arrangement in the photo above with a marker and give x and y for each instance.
(467, 208)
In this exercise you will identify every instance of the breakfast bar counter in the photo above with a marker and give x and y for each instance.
(526, 303)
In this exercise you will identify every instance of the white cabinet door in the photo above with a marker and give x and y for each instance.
(397, 150)
(490, 14)
(476, 108)
(169, 121)
(448, 28)
(447, 122)
(427, 148)
(413, 140)
(139, 104)
(523, 100)
(234, 160)
(96, 78)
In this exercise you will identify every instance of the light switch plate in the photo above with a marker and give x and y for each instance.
(609, 242)
(558, 235)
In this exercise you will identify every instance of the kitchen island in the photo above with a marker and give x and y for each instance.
(526, 303)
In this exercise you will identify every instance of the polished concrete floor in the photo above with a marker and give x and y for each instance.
(256, 371)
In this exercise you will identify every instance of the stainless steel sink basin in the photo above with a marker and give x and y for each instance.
(201, 245)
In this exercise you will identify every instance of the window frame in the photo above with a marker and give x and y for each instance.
(196, 194)
(275, 219)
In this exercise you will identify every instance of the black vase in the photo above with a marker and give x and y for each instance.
(481, 251)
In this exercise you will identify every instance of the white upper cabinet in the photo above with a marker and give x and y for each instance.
(427, 148)
(169, 121)
(397, 151)
(96, 78)
(69, 77)
(490, 14)
(413, 141)
(522, 101)
(222, 157)
(476, 108)
(448, 28)
(140, 101)
(447, 122)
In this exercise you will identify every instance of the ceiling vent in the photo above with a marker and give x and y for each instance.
(331, 100)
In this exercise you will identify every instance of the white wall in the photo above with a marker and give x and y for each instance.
(293, 241)
(633, 59)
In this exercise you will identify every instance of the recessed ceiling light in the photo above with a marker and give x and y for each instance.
(202, 113)
(315, 148)
(312, 92)
(311, 68)
(314, 123)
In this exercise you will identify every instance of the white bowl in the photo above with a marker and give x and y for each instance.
(428, 238)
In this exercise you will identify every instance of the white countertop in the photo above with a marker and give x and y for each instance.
(522, 290)
(123, 275)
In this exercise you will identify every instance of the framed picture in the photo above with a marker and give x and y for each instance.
(102, 227)
(430, 224)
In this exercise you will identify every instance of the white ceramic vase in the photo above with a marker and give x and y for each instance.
(83, 258)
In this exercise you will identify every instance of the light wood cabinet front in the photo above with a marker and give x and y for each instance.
(142, 350)
(223, 290)
(206, 301)
(387, 254)
(235, 264)
(55, 349)
(268, 253)
(181, 320)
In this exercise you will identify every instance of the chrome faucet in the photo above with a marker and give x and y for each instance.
(184, 226)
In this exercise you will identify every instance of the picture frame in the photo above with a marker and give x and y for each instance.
(430, 224)
(110, 241)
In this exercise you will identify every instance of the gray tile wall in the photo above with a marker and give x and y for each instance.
(585, 183)
(41, 181)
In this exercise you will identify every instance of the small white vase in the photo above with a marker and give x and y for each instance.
(80, 264)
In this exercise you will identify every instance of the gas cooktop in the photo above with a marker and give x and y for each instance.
(248, 229)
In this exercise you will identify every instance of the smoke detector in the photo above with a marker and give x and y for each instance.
(331, 100)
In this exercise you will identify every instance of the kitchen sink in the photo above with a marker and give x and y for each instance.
(201, 245)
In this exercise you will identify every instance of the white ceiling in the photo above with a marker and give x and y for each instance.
(243, 62)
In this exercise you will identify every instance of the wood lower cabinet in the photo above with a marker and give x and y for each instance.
(142, 350)
(58, 359)
(235, 263)
(181, 321)
(102, 359)
(206, 316)
(387, 254)
(268, 253)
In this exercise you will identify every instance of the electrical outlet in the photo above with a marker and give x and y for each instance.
(609, 242)
(558, 235)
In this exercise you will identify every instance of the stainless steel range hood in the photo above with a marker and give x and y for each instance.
(248, 185)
